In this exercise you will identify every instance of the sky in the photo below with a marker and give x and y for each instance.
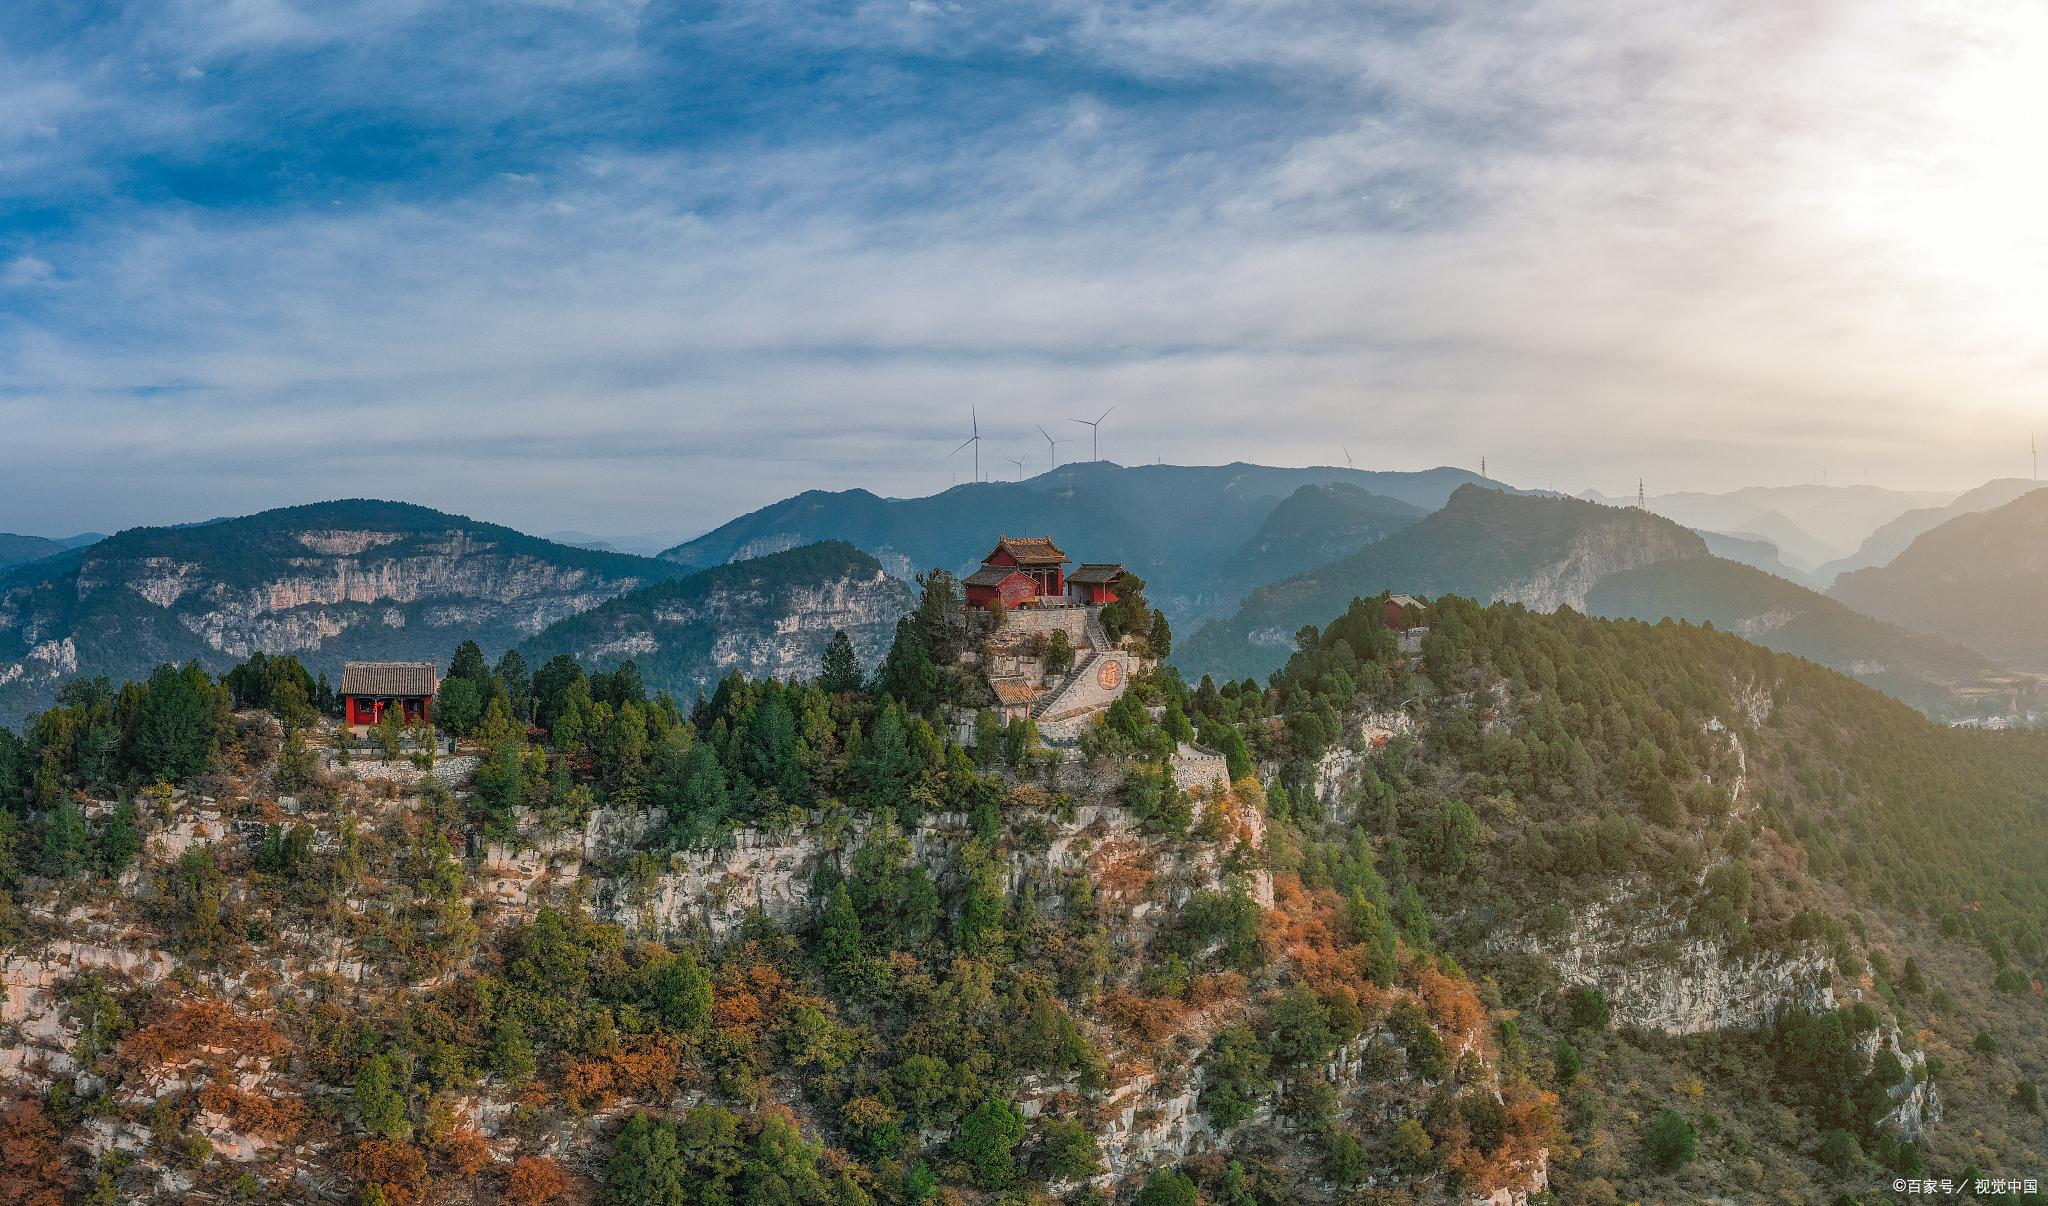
(625, 266)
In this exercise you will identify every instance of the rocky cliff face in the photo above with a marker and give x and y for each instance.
(327, 583)
(1658, 977)
(1591, 556)
(766, 618)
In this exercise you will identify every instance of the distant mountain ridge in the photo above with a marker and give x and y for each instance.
(768, 617)
(1484, 544)
(1980, 579)
(1176, 526)
(1809, 523)
(1549, 553)
(1779, 614)
(355, 578)
(1887, 542)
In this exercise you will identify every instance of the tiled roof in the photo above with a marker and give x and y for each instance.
(991, 575)
(1033, 550)
(389, 678)
(1096, 573)
(1013, 690)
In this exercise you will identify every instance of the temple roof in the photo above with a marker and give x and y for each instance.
(1013, 691)
(389, 678)
(990, 575)
(1096, 573)
(1031, 550)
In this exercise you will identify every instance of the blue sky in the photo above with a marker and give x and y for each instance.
(625, 266)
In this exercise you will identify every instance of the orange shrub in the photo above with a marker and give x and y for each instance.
(533, 1181)
(395, 1167)
(276, 1118)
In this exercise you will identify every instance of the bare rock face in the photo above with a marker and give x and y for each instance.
(1595, 553)
(770, 618)
(1658, 977)
(327, 583)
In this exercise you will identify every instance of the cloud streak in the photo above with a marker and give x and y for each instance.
(619, 266)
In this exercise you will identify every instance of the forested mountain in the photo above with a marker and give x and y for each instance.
(16, 549)
(1595, 909)
(1550, 553)
(1545, 552)
(330, 581)
(768, 617)
(1914, 666)
(1893, 538)
(1313, 526)
(1754, 551)
(1980, 579)
(1176, 526)
(1801, 549)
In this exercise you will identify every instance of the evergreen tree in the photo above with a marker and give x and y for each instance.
(67, 841)
(838, 944)
(989, 1136)
(380, 1099)
(122, 840)
(174, 730)
(841, 671)
(468, 665)
(1671, 1141)
(515, 682)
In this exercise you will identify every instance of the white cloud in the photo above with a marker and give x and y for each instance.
(1712, 244)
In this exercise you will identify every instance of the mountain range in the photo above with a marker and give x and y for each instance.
(1810, 524)
(356, 578)
(1980, 578)
(1239, 556)
(1893, 538)
(17, 549)
(767, 617)
(1187, 530)
(1550, 553)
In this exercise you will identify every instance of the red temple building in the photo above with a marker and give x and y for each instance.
(1094, 583)
(370, 689)
(1031, 572)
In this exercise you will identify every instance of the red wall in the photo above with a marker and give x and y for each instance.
(367, 711)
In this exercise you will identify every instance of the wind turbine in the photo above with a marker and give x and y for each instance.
(1052, 447)
(1094, 426)
(1020, 466)
(1347, 457)
(975, 440)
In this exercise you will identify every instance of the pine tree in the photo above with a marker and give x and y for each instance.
(841, 672)
(838, 944)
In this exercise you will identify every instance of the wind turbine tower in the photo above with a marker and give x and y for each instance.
(1094, 426)
(1052, 449)
(975, 439)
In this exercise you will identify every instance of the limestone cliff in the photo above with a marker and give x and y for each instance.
(326, 582)
(766, 618)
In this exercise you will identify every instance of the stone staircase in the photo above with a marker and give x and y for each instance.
(1051, 705)
(1098, 637)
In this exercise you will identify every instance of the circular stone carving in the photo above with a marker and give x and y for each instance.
(1111, 676)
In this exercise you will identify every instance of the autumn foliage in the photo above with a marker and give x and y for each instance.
(534, 1180)
(32, 1169)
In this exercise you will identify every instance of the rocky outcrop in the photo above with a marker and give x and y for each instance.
(770, 618)
(1657, 976)
(1593, 554)
(328, 583)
